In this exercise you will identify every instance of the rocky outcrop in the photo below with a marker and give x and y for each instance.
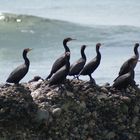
(77, 110)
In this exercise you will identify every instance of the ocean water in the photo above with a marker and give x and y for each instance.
(42, 25)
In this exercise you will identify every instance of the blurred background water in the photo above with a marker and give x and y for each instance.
(42, 25)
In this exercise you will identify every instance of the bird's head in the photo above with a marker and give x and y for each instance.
(83, 47)
(67, 40)
(98, 45)
(136, 45)
(27, 50)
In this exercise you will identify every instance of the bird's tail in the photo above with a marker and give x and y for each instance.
(116, 78)
(49, 76)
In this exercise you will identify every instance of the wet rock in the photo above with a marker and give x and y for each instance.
(56, 112)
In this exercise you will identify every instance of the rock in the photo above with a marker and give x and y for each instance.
(136, 109)
(56, 112)
(105, 90)
(110, 135)
(83, 104)
(34, 85)
(89, 138)
(102, 96)
(125, 99)
(35, 94)
(124, 108)
(135, 120)
(79, 110)
(70, 94)
(42, 114)
(17, 109)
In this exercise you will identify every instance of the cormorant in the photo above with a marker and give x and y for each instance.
(126, 79)
(60, 62)
(91, 66)
(18, 73)
(125, 67)
(79, 64)
(60, 76)
(35, 79)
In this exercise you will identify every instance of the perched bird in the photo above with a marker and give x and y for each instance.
(18, 73)
(125, 67)
(60, 76)
(91, 66)
(35, 79)
(79, 64)
(60, 62)
(126, 79)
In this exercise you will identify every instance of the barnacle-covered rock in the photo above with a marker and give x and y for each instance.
(75, 110)
(17, 110)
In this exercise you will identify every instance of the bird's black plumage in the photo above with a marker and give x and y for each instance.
(126, 79)
(79, 64)
(125, 66)
(91, 66)
(60, 76)
(60, 62)
(18, 73)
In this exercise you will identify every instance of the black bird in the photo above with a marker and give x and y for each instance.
(18, 73)
(60, 76)
(91, 66)
(79, 64)
(126, 79)
(125, 66)
(60, 62)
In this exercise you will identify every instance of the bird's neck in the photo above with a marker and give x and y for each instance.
(136, 51)
(27, 62)
(66, 47)
(67, 64)
(98, 53)
(83, 54)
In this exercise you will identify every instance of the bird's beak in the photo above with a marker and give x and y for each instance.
(86, 45)
(74, 39)
(29, 50)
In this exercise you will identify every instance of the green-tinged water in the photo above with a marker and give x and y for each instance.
(45, 36)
